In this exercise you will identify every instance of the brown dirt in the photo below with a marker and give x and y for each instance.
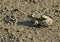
(15, 25)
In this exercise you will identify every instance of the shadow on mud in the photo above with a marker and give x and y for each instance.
(27, 23)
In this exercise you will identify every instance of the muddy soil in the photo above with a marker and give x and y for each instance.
(15, 25)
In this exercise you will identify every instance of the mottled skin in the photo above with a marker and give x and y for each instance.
(41, 19)
(46, 22)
